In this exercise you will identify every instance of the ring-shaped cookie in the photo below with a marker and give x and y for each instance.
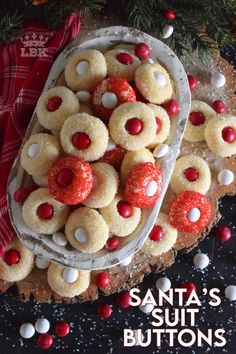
(191, 172)
(153, 81)
(218, 130)
(55, 105)
(39, 152)
(162, 125)
(44, 214)
(85, 69)
(61, 287)
(117, 224)
(199, 116)
(162, 237)
(20, 270)
(122, 63)
(84, 136)
(104, 187)
(133, 125)
(86, 230)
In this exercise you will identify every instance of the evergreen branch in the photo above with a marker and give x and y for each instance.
(9, 24)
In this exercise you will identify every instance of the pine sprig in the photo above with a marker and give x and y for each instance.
(9, 24)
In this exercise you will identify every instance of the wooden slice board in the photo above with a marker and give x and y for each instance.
(36, 286)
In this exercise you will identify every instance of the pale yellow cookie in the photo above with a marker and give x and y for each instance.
(105, 185)
(34, 211)
(131, 159)
(54, 119)
(39, 152)
(191, 172)
(117, 68)
(41, 181)
(125, 117)
(163, 125)
(57, 274)
(167, 241)
(20, 270)
(86, 230)
(200, 114)
(119, 225)
(153, 81)
(85, 69)
(93, 128)
(216, 128)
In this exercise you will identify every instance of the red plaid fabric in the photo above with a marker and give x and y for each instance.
(22, 77)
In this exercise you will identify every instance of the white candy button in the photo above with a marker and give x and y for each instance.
(230, 292)
(70, 275)
(109, 100)
(163, 284)
(82, 67)
(225, 177)
(146, 308)
(160, 150)
(33, 150)
(149, 61)
(194, 214)
(41, 262)
(111, 145)
(42, 325)
(218, 80)
(83, 96)
(160, 80)
(201, 260)
(126, 261)
(81, 235)
(151, 188)
(59, 239)
(167, 31)
(27, 330)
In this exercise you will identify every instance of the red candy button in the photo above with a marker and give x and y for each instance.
(142, 50)
(169, 15)
(123, 300)
(219, 106)
(172, 107)
(196, 118)
(159, 124)
(124, 58)
(21, 194)
(81, 141)
(64, 177)
(102, 280)
(54, 103)
(191, 174)
(45, 341)
(45, 211)
(62, 329)
(190, 287)
(104, 310)
(223, 233)
(134, 126)
(229, 135)
(124, 209)
(192, 82)
(11, 257)
(112, 243)
(156, 234)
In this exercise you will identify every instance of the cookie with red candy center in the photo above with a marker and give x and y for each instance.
(190, 212)
(109, 94)
(143, 185)
(70, 180)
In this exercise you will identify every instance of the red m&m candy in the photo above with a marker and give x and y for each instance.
(229, 135)
(124, 58)
(124, 209)
(104, 310)
(156, 234)
(21, 194)
(169, 14)
(45, 211)
(196, 118)
(45, 341)
(123, 299)
(142, 50)
(102, 280)
(172, 107)
(112, 243)
(223, 233)
(219, 106)
(190, 287)
(192, 82)
(11, 257)
(54, 103)
(62, 328)
(191, 174)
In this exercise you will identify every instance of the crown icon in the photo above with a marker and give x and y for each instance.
(34, 40)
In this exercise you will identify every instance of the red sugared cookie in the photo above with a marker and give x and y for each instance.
(190, 212)
(70, 180)
(109, 94)
(113, 155)
(143, 185)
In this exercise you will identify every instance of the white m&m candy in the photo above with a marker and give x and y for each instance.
(160, 150)
(218, 80)
(151, 188)
(42, 325)
(230, 292)
(201, 260)
(146, 308)
(59, 239)
(33, 150)
(160, 80)
(126, 261)
(167, 31)
(27, 330)
(225, 177)
(82, 67)
(70, 275)
(81, 235)
(109, 100)
(163, 284)
(83, 96)
(41, 262)
(194, 215)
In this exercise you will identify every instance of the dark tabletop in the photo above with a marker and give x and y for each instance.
(91, 334)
